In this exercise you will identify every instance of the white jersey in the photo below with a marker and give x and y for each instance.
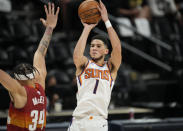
(94, 90)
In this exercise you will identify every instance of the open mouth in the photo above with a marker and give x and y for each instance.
(94, 53)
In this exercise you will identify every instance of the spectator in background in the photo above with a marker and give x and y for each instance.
(179, 6)
(179, 14)
(70, 7)
(51, 92)
(164, 18)
(161, 8)
(132, 8)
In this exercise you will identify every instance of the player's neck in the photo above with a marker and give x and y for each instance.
(99, 62)
(27, 83)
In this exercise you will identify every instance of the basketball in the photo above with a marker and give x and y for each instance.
(88, 12)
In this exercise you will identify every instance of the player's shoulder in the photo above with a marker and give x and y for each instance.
(39, 86)
(82, 68)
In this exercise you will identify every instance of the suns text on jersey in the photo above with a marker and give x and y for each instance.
(95, 73)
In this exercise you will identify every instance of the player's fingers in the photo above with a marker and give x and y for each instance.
(53, 9)
(46, 10)
(95, 24)
(43, 21)
(101, 3)
(99, 8)
(49, 8)
(58, 9)
(82, 21)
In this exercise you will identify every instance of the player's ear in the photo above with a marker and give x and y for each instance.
(106, 51)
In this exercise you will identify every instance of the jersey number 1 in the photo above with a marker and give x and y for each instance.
(96, 85)
(38, 118)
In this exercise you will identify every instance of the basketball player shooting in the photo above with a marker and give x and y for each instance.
(95, 77)
(27, 111)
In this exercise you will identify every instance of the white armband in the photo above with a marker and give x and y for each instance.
(108, 24)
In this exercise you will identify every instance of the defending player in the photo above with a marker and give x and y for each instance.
(27, 111)
(95, 77)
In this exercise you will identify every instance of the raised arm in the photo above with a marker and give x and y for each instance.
(116, 56)
(8, 82)
(39, 56)
(78, 56)
(17, 92)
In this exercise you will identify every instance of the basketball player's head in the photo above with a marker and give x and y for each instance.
(99, 47)
(24, 72)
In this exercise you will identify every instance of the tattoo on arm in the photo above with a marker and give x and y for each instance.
(43, 45)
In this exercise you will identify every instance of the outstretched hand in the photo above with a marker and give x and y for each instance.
(103, 11)
(51, 16)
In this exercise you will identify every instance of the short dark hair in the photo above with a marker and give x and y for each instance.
(104, 39)
(23, 69)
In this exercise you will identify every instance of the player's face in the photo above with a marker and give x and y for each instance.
(98, 49)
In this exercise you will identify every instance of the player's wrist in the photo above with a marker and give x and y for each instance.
(87, 27)
(108, 24)
(87, 30)
(49, 30)
(49, 27)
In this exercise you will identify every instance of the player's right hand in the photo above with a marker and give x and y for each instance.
(89, 26)
(51, 16)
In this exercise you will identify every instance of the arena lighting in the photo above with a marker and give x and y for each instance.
(5, 5)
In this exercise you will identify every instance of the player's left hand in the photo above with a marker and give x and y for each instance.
(51, 16)
(103, 11)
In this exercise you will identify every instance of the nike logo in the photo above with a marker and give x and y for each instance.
(38, 92)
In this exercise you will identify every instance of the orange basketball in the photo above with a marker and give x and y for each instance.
(88, 12)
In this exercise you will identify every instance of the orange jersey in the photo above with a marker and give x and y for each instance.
(32, 117)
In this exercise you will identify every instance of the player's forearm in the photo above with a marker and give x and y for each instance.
(45, 41)
(5, 81)
(81, 44)
(1, 75)
(115, 41)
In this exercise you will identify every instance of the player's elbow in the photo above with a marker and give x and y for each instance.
(1, 72)
(118, 47)
(117, 50)
(76, 57)
(36, 54)
(39, 53)
(1, 75)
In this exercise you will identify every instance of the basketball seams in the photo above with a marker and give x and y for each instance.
(85, 12)
(90, 17)
(89, 1)
(88, 12)
(93, 18)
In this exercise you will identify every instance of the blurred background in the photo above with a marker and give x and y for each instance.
(147, 95)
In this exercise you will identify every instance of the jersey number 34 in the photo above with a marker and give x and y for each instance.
(37, 118)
